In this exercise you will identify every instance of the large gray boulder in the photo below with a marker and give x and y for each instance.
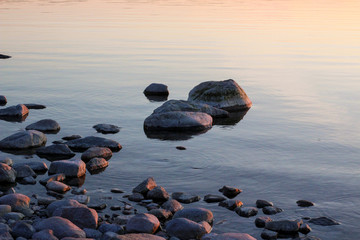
(45, 125)
(186, 106)
(24, 140)
(55, 152)
(7, 174)
(14, 113)
(17, 201)
(185, 229)
(85, 143)
(178, 121)
(143, 223)
(101, 152)
(71, 168)
(61, 227)
(195, 214)
(227, 95)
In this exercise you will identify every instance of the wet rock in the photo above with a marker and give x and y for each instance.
(269, 235)
(81, 216)
(283, 226)
(172, 205)
(35, 166)
(227, 95)
(156, 89)
(55, 152)
(231, 204)
(180, 148)
(34, 106)
(305, 228)
(230, 192)
(98, 207)
(3, 56)
(178, 121)
(60, 204)
(210, 198)
(71, 168)
(96, 164)
(15, 216)
(145, 186)
(23, 229)
(100, 152)
(92, 233)
(263, 203)
(162, 214)
(23, 140)
(304, 203)
(115, 208)
(322, 221)
(136, 197)
(271, 210)
(4, 228)
(183, 228)
(79, 191)
(45, 200)
(61, 227)
(105, 227)
(143, 223)
(186, 106)
(56, 177)
(261, 221)
(57, 187)
(85, 143)
(5, 236)
(17, 201)
(45, 125)
(27, 180)
(116, 190)
(229, 236)
(106, 128)
(3, 99)
(14, 113)
(158, 194)
(185, 197)
(4, 209)
(71, 137)
(195, 214)
(46, 234)
(7, 161)
(122, 219)
(7, 174)
(23, 171)
(83, 199)
(246, 211)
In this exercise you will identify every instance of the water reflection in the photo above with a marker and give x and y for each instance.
(14, 118)
(232, 120)
(172, 135)
(157, 98)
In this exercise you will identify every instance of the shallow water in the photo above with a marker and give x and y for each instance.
(298, 61)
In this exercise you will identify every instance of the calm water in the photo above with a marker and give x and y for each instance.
(298, 61)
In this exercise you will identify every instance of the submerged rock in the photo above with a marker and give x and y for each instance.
(185, 197)
(71, 137)
(195, 214)
(263, 203)
(261, 221)
(231, 204)
(283, 226)
(55, 152)
(24, 140)
(35, 166)
(323, 221)
(156, 89)
(106, 128)
(210, 198)
(271, 210)
(246, 211)
(23, 171)
(16, 113)
(85, 143)
(227, 95)
(45, 125)
(304, 203)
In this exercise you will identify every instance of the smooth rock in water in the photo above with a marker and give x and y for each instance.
(57, 187)
(83, 199)
(45, 200)
(45, 125)
(92, 233)
(16, 113)
(3, 56)
(136, 197)
(178, 121)
(246, 211)
(4, 209)
(56, 177)
(145, 186)
(231, 204)
(269, 235)
(210, 198)
(60, 204)
(71, 137)
(7, 174)
(34, 106)
(229, 236)
(172, 205)
(143, 223)
(23, 171)
(115, 228)
(304, 203)
(261, 221)
(158, 194)
(46, 234)
(180, 148)
(7, 161)
(263, 203)
(186, 106)
(156, 89)
(96, 163)
(227, 95)
(85, 143)
(230, 192)
(17, 201)
(195, 214)
(106, 128)
(24, 140)
(305, 228)
(116, 190)
(3, 100)
(81, 216)
(161, 214)
(71, 168)
(35, 166)
(100, 152)
(14, 216)
(185, 197)
(139, 236)
(183, 228)
(283, 226)
(61, 227)
(322, 221)
(79, 191)
(55, 152)
(271, 210)
(28, 180)
(23, 229)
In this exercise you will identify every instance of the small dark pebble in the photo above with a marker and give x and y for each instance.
(3, 56)
(180, 148)
(304, 228)
(126, 212)
(98, 207)
(116, 190)
(34, 106)
(270, 210)
(230, 192)
(115, 208)
(304, 203)
(263, 203)
(210, 198)
(72, 137)
(261, 221)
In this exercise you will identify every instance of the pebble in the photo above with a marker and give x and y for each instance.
(156, 89)
(271, 210)
(136, 197)
(246, 211)
(210, 198)
(263, 203)
(180, 148)
(106, 128)
(269, 235)
(231, 204)
(185, 197)
(71, 137)
(304, 203)
(230, 192)
(261, 221)
(323, 221)
(195, 214)
(116, 190)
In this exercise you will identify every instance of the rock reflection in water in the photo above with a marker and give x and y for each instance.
(14, 118)
(157, 98)
(233, 119)
(172, 135)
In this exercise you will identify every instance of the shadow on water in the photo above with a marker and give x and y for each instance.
(27, 151)
(232, 120)
(172, 135)
(152, 98)
(14, 118)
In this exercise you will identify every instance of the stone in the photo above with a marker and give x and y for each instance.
(71, 137)
(185, 197)
(322, 221)
(158, 194)
(115, 228)
(263, 203)
(92, 233)
(34, 106)
(15, 216)
(116, 190)
(195, 214)
(56, 177)
(3, 99)
(4, 209)
(3, 56)
(55, 152)
(143, 223)
(100, 152)
(305, 228)
(23, 171)
(246, 211)
(271, 210)
(172, 205)
(178, 121)
(23, 229)
(106, 128)
(227, 95)
(71, 168)
(83, 199)
(81, 216)
(231, 204)
(7, 174)
(96, 164)
(57, 187)
(98, 207)
(7, 161)
(269, 235)
(136, 197)
(35, 166)
(180, 148)
(4, 228)
(17, 201)
(61, 227)
(210, 198)
(139, 236)
(45, 200)
(24, 140)
(186, 106)
(85, 143)
(304, 203)
(5, 236)
(46, 234)
(14, 113)
(162, 214)
(229, 236)
(156, 89)
(261, 221)
(45, 125)
(183, 228)
(230, 192)
(27, 180)
(59, 205)
(145, 186)
(283, 226)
